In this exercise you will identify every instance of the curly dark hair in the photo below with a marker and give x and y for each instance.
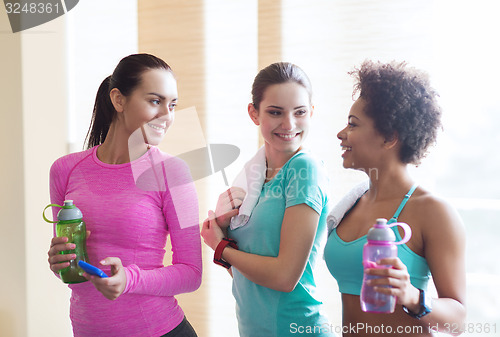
(402, 103)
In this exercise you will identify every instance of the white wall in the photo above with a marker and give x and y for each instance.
(231, 65)
(100, 33)
(37, 67)
(12, 252)
(33, 120)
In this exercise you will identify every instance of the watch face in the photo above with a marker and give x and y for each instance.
(425, 306)
(425, 311)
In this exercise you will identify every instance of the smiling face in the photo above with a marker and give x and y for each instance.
(362, 144)
(150, 107)
(284, 116)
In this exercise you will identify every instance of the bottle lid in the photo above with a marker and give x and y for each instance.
(381, 232)
(69, 212)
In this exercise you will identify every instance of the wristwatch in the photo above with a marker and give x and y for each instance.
(425, 302)
(218, 252)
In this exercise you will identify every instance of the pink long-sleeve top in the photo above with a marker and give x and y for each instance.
(130, 210)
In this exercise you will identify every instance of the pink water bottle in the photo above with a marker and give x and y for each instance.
(380, 244)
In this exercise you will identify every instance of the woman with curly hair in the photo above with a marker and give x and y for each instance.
(392, 124)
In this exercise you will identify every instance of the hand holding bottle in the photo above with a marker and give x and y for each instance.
(58, 261)
(70, 242)
(394, 281)
(379, 249)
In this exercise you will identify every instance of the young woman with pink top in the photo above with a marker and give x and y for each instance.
(132, 197)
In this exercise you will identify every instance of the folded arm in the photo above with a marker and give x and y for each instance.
(282, 272)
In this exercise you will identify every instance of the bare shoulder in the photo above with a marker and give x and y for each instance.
(437, 215)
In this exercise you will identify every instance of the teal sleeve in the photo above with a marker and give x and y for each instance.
(307, 183)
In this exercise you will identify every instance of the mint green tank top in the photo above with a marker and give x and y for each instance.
(345, 259)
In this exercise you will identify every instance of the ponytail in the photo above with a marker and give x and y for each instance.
(102, 115)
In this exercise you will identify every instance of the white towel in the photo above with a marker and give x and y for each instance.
(345, 204)
(251, 179)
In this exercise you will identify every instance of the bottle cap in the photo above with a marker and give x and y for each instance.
(69, 212)
(381, 232)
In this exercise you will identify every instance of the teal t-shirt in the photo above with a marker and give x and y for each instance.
(264, 312)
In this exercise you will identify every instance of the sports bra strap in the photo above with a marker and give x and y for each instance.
(403, 203)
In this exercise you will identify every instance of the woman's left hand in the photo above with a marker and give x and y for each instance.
(399, 279)
(211, 232)
(111, 287)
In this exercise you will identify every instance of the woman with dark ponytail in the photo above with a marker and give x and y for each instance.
(132, 197)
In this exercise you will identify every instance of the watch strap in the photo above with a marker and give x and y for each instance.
(220, 248)
(425, 306)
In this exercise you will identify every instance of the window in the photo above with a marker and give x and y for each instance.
(454, 41)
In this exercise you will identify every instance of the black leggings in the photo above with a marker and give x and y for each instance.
(184, 329)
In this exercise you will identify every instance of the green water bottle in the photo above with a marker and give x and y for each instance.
(71, 225)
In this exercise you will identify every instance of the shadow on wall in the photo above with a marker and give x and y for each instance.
(7, 323)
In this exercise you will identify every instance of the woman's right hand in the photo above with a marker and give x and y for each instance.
(60, 261)
(228, 205)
